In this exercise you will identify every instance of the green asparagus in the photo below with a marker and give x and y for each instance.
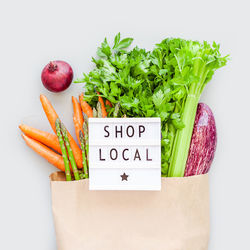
(86, 136)
(81, 174)
(71, 156)
(99, 110)
(84, 159)
(94, 113)
(116, 111)
(64, 151)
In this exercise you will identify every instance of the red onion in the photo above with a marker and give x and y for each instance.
(57, 76)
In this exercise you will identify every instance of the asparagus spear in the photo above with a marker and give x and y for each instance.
(85, 117)
(86, 138)
(81, 174)
(94, 112)
(99, 110)
(86, 134)
(71, 156)
(116, 111)
(64, 151)
(85, 165)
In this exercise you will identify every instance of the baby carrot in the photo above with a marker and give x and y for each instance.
(77, 111)
(48, 154)
(104, 112)
(49, 111)
(85, 106)
(77, 117)
(46, 138)
(78, 128)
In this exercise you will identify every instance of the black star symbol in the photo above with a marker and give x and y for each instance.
(124, 177)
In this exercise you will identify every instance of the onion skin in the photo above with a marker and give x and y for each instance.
(203, 142)
(57, 76)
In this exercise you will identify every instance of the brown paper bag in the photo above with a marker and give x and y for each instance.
(175, 218)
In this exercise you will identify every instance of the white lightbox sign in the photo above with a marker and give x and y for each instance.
(124, 153)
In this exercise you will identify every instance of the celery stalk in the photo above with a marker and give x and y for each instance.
(202, 67)
(183, 138)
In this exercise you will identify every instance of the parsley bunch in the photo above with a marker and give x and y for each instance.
(165, 82)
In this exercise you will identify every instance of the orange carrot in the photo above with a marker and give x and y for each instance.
(104, 112)
(77, 111)
(85, 106)
(46, 138)
(77, 117)
(49, 111)
(52, 157)
(78, 128)
(108, 103)
(52, 116)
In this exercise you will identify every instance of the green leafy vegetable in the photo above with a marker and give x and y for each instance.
(166, 82)
(118, 45)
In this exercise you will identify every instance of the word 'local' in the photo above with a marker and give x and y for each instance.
(113, 154)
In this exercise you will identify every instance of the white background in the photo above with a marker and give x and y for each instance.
(35, 32)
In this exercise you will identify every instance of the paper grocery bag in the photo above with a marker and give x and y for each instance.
(175, 218)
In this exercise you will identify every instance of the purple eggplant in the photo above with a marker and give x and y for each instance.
(203, 142)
